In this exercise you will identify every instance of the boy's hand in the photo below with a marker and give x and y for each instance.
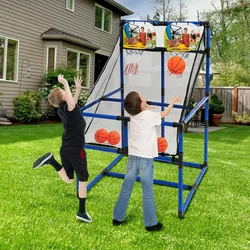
(62, 80)
(78, 82)
(177, 99)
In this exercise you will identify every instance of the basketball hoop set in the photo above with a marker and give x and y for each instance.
(159, 69)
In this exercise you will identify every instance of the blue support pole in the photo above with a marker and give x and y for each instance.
(194, 110)
(165, 105)
(162, 88)
(170, 161)
(124, 124)
(191, 164)
(113, 100)
(207, 95)
(103, 116)
(191, 194)
(98, 177)
(149, 102)
(99, 99)
(157, 182)
(170, 124)
(180, 173)
(100, 148)
(162, 23)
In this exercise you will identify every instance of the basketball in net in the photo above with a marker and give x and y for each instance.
(101, 135)
(176, 65)
(113, 137)
(162, 144)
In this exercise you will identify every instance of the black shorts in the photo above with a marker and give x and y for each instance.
(75, 160)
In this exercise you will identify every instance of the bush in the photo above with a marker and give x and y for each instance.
(216, 105)
(27, 107)
(244, 119)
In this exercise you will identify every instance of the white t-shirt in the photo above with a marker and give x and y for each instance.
(143, 136)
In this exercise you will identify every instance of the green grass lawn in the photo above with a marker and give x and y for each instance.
(37, 210)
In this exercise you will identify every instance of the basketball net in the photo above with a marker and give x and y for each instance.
(132, 61)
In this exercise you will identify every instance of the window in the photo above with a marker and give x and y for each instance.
(103, 18)
(8, 59)
(51, 59)
(81, 62)
(70, 4)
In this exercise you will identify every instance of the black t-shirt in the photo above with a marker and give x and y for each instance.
(74, 126)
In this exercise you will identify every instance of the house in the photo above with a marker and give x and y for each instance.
(37, 36)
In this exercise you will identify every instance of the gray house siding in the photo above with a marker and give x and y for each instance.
(25, 21)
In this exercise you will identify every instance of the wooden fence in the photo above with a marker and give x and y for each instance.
(234, 98)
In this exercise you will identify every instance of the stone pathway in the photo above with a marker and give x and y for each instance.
(200, 129)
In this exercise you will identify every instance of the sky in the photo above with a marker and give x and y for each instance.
(143, 7)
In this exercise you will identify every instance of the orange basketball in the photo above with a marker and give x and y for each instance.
(176, 65)
(101, 135)
(162, 144)
(113, 137)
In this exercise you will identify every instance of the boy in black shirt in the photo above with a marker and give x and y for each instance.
(73, 155)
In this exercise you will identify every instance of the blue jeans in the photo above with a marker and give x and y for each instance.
(145, 167)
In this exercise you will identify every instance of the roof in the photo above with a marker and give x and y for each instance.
(55, 34)
(120, 7)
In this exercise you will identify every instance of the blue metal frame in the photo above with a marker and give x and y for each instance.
(198, 23)
(98, 100)
(182, 204)
(207, 95)
(150, 102)
(162, 87)
(195, 109)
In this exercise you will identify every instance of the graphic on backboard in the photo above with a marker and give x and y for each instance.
(181, 37)
(140, 36)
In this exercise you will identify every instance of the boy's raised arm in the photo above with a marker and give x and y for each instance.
(166, 111)
(68, 96)
(78, 84)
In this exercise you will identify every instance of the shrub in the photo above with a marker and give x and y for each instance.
(27, 107)
(215, 99)
(244, 119)
(216, 105)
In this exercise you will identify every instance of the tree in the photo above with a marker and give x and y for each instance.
(230, 36)
(161, 8)
(230, 32)
(181, 11)
(165, 10)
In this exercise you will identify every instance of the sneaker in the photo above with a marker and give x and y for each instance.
(156, 227)
(116, 222)
(83, 217)
(43, 160)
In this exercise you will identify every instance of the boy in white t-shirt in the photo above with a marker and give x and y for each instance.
(142, 149)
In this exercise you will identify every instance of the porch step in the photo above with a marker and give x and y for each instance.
(4, 121)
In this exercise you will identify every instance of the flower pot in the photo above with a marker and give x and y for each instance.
(216, 119)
